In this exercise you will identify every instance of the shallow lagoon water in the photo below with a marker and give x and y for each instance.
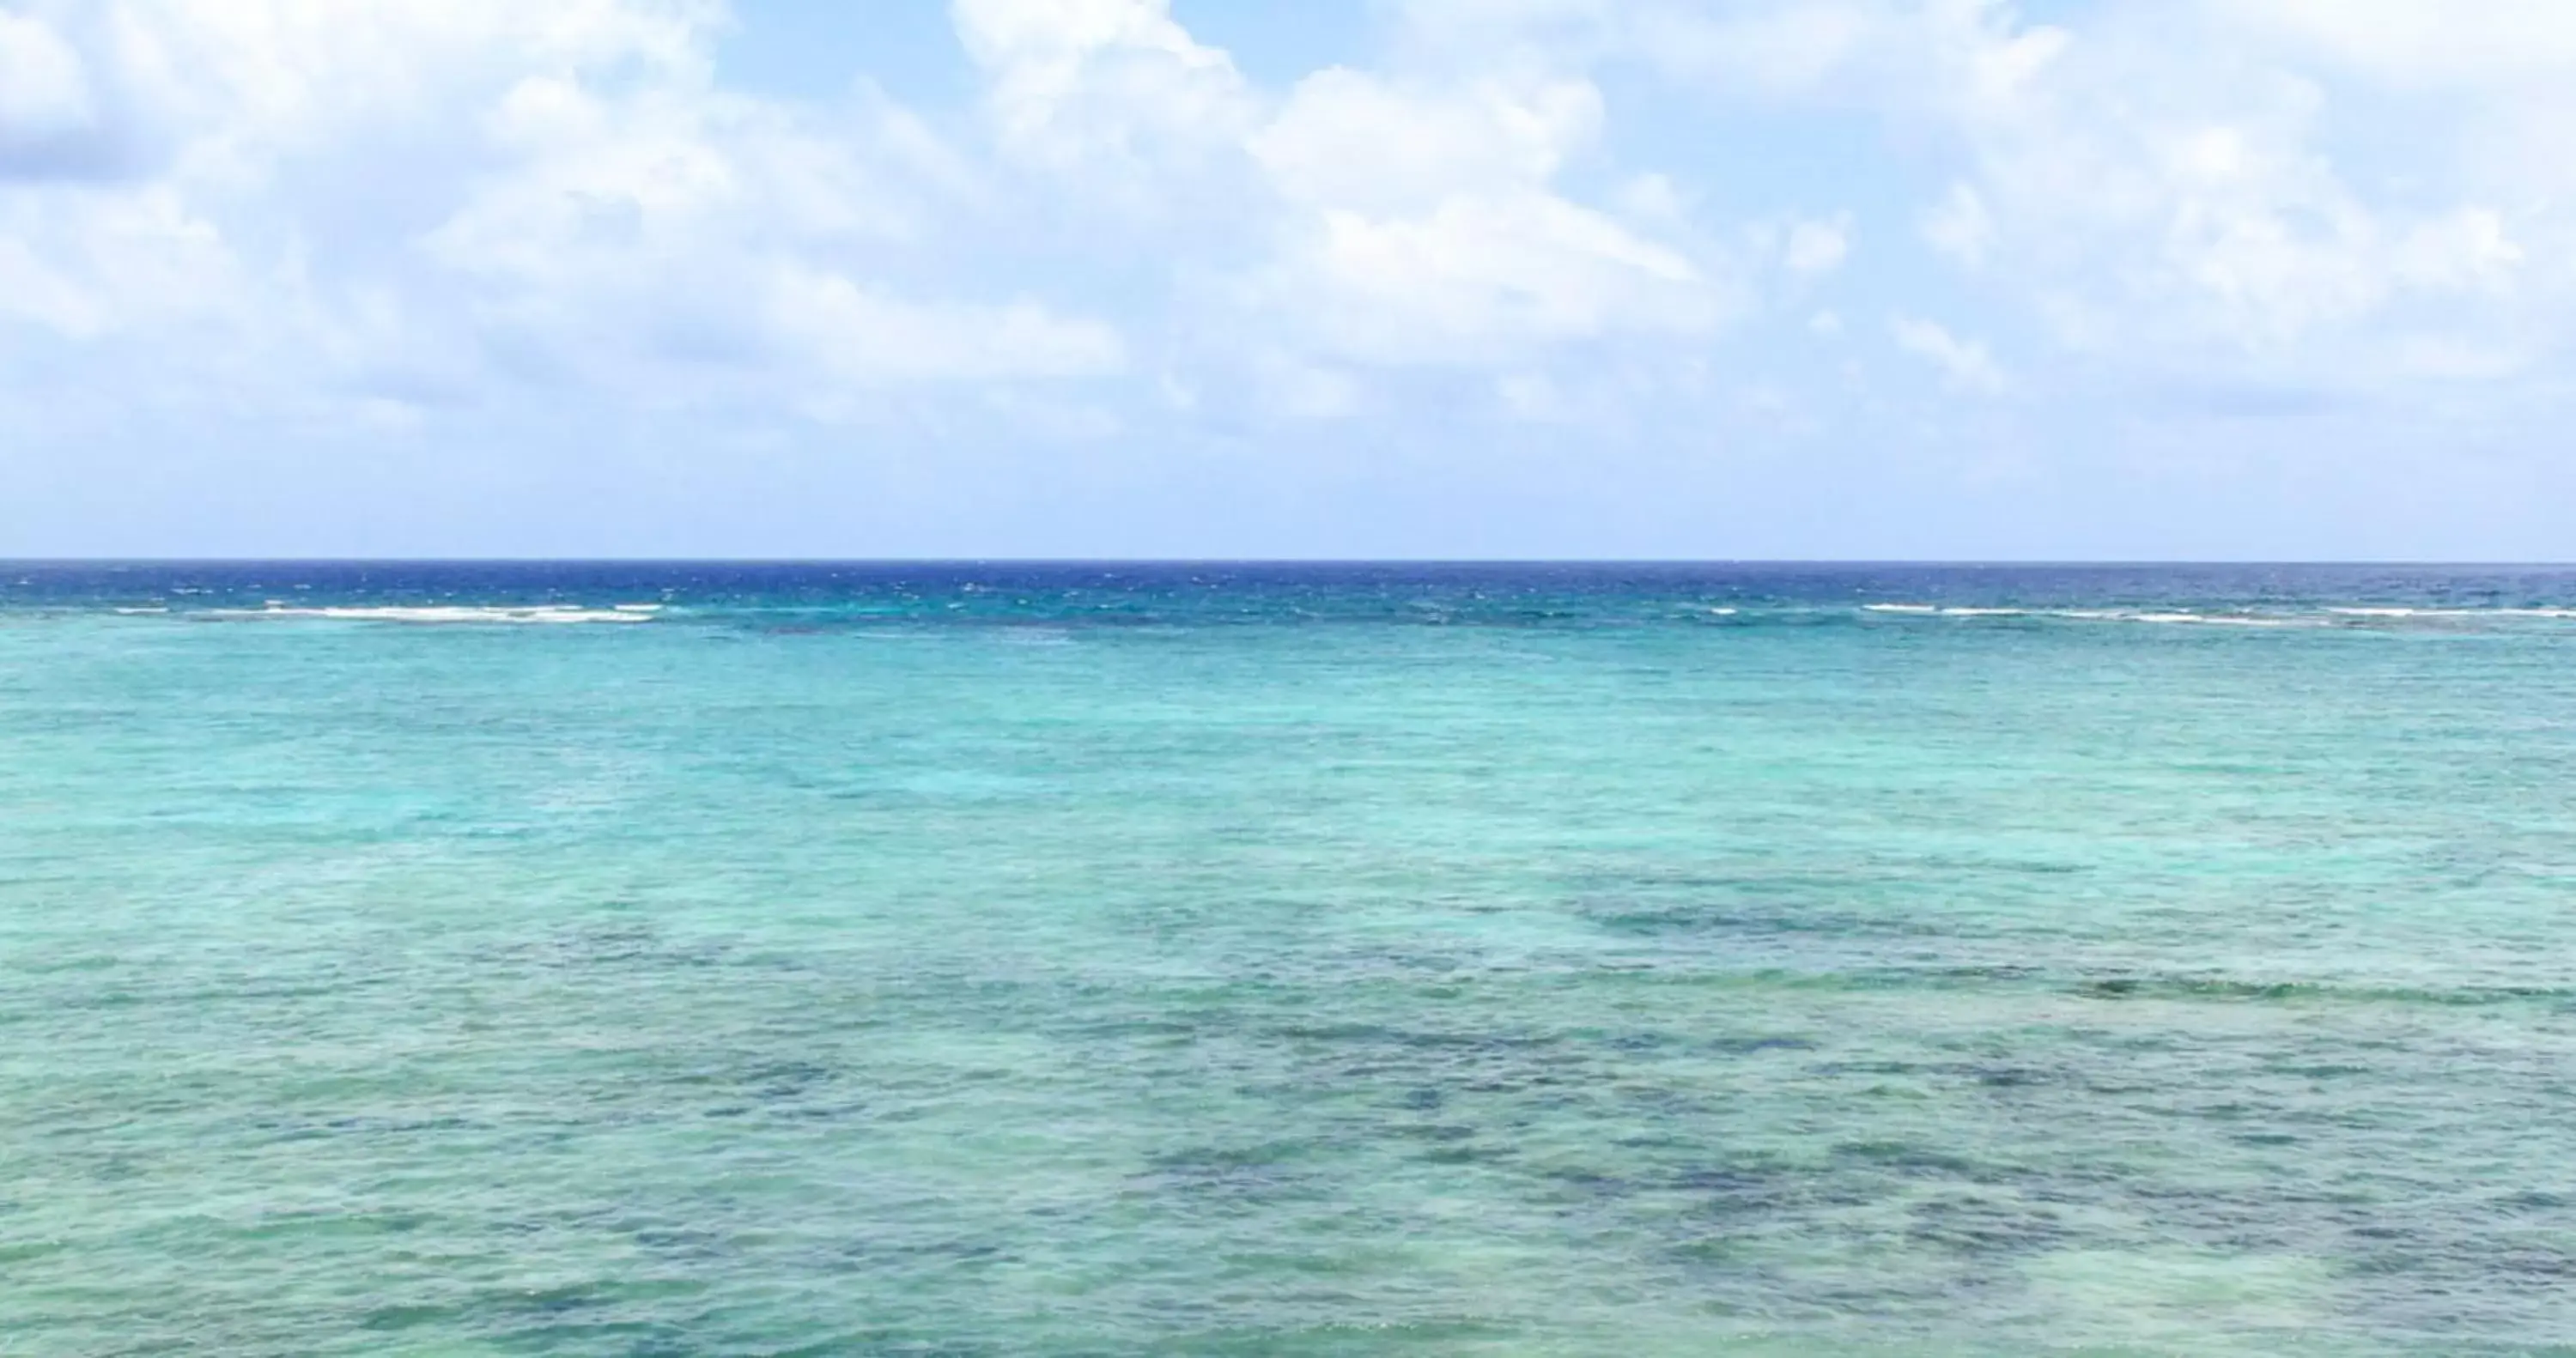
(1286, 960)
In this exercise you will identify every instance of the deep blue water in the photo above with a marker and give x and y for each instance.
(1197, 592)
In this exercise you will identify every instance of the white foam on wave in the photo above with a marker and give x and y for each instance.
(1723, 612)
(2380, 612)
(131, 612)
(2185, 618)
(1944, 610)
(2211, 619)
(447, 613)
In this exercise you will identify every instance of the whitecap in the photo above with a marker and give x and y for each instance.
(443, 613)
(1899, 608)
(2210, 619)
(2377, 612)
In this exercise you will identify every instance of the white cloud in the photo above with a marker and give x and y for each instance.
(1103, 86)
(417, 211)
(1965, 364)
(1304, 390)
(2419, 43)
(2168, 186)
(1818, 247)
(1777, 49)
(869, 338)
(33, 290)
(1959, 226)
(44, 88)
(1388, 218)
(1424, 226)
(2202, 206)
(1361, 143)
(237, 84)
(1653, 198)
(569, 199)
(1479, 278)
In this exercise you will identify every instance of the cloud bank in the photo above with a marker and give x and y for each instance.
(1515, 276)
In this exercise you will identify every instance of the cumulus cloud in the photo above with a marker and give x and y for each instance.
(2175, 185)
(1964, 363)
(577, 184)
(443, 203)
(1960, 227)
(868, 337)
(2202, 213)
(1380, 217)
(1424, 225)
(2419, 43)
(1110, 87)
(1818, 247)
(446, 200)
(44, 90)
(225, 212)
(1369, 145)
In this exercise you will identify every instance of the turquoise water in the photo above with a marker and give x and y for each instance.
(1509, 960)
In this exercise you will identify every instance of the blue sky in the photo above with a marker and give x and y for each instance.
(1494, 278)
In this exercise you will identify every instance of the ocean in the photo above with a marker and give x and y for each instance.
(962, 959)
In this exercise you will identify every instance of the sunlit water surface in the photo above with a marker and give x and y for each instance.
(1411, 960)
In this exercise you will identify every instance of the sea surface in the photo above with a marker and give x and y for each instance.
(1288, 960)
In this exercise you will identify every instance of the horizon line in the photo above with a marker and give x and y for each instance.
(1260, 561)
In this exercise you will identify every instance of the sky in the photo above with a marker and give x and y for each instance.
(1852, 279)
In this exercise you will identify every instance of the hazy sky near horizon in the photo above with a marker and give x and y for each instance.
(1459, 278)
